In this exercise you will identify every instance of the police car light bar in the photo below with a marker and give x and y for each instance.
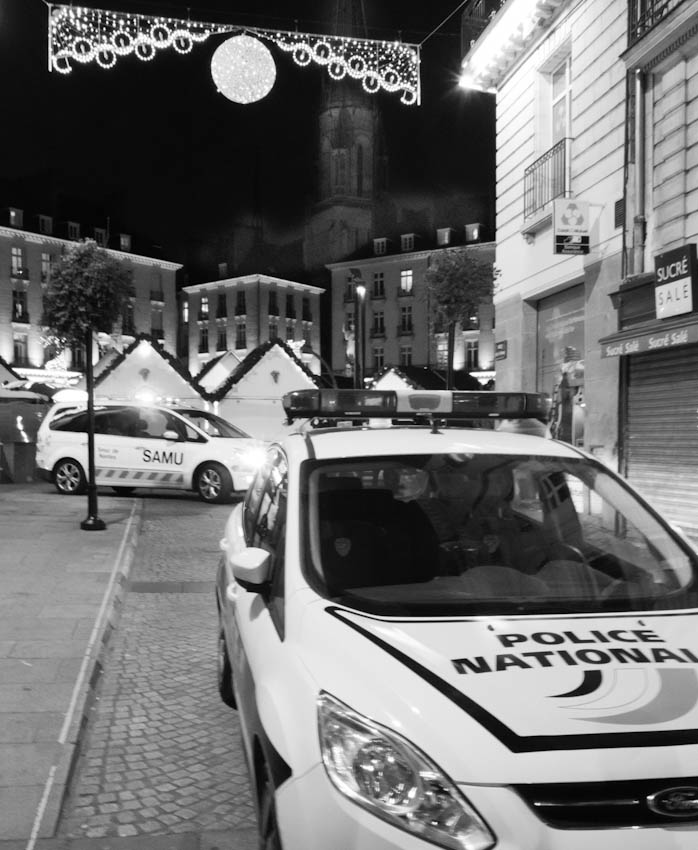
(431, 404)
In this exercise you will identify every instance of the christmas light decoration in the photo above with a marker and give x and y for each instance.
(243, 69)
(83, 35)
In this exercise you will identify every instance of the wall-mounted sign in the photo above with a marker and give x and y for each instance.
(500, 350)
(675, 274)
(571, 226)
(657, 341)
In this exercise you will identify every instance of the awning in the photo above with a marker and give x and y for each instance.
(657, 337)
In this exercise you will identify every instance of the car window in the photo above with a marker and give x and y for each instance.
(488, 534)
(70, 422)
(212, 425)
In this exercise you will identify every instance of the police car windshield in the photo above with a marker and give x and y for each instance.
(488, 534)
(211, 424)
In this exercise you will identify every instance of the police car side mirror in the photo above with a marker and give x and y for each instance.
(170, 435)
(251, 568)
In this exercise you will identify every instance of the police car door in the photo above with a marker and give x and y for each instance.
(258, 625)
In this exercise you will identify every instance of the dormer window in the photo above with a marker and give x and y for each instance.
(444, 235)
(407, 242)
(16, 217)
(472, 232)
(124, 242)
(45, 224)
(222, 271)
(101, 237)
(73, 230)
(380, 246)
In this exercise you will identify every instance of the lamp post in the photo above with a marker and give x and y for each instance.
(360, 337)
(92, 522)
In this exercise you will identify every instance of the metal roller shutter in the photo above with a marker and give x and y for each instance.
(662, 432)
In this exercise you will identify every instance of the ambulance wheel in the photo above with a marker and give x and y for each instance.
(269, 838)
(69, 477)
(224, 672)
(214, 483)
(123, 491)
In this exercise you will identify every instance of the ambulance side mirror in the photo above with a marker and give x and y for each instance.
(251, 568)
(170, 435)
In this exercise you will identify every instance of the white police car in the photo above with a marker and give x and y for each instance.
(140, 445)
(448, 637)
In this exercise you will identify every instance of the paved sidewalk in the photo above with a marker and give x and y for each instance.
(62, 588)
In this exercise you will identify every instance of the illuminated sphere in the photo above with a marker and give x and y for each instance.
(243, 69)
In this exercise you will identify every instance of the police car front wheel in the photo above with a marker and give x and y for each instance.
(69, 477)
(214, 483)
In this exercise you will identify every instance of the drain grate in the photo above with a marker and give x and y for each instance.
(172, 586)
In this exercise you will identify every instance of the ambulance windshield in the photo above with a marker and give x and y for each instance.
(488, 534)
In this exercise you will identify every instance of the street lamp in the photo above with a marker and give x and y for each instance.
(360, 337)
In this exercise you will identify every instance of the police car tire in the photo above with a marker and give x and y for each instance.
(69, 477)
(206, 476)
(269, 838)
(225, 673)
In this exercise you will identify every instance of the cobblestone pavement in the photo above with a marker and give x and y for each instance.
(161, 752)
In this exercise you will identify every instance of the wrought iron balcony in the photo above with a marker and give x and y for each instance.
(21, 272)
(644, 15)
(547, 178)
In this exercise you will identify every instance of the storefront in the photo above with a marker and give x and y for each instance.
(658, 411)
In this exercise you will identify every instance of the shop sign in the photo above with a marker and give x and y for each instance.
(500, 350)
(651, 342)
(675, 275)
(571, 226)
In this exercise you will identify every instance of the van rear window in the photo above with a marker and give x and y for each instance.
(70, 422)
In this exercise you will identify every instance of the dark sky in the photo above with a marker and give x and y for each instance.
(154, 144)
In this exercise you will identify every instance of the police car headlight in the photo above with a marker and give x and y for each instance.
(390, 777)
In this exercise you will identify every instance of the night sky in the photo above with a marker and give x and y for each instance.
(156, 147)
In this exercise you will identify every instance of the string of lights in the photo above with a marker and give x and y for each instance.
(83, 35)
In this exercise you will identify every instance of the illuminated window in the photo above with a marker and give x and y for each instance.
(203, 307)
(406, 282)
(185, 312)
(16, 217)
(441, 351)
(17, 260)
(19, 305)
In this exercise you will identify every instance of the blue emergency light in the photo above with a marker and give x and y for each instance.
(414, 404)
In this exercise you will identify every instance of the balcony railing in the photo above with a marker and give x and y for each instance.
(377, 333)
(547, 178)
(644, 15)
(405, 329)
(157, 295)
(19, 272)
(20, 316)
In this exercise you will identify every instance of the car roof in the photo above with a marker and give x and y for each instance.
(405, 440)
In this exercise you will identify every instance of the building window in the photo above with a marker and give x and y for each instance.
(240, 305)
(203, 308)
(471, 352)
(380, 246)
(378, 357)
(307, 315)
(124, 242)
(407, 242)
(442, 351)
(101, 237)
(221, 306)
(405, 355)
(185, 312)
(77, 356)
(156, 323)
(350, 291)
(406, 282)
(378, 328)
(45, 224)
(203, 340)
(127, 323)
(16, 217)
(222, 341)
(378, 285)
(222, 270)
(443, 235)
(19, 306)
(349, 322)
(46, 267)
(273, 328)
(273, 304)
(73, 230)
(290, 329)
(561, 100)
(17, 266)
(290, 307)
(307, 329)
(240, 335)
(406, 319)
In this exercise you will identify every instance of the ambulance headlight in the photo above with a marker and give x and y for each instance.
(387, 775)
(251, 457)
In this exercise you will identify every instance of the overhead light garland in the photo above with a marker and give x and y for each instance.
(82, 35)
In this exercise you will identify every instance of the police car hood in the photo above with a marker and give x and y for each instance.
(502, 700)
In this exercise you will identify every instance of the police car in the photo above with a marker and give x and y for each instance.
(443, 636)
(141, 445)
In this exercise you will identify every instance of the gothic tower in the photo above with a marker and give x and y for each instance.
(351, 163)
